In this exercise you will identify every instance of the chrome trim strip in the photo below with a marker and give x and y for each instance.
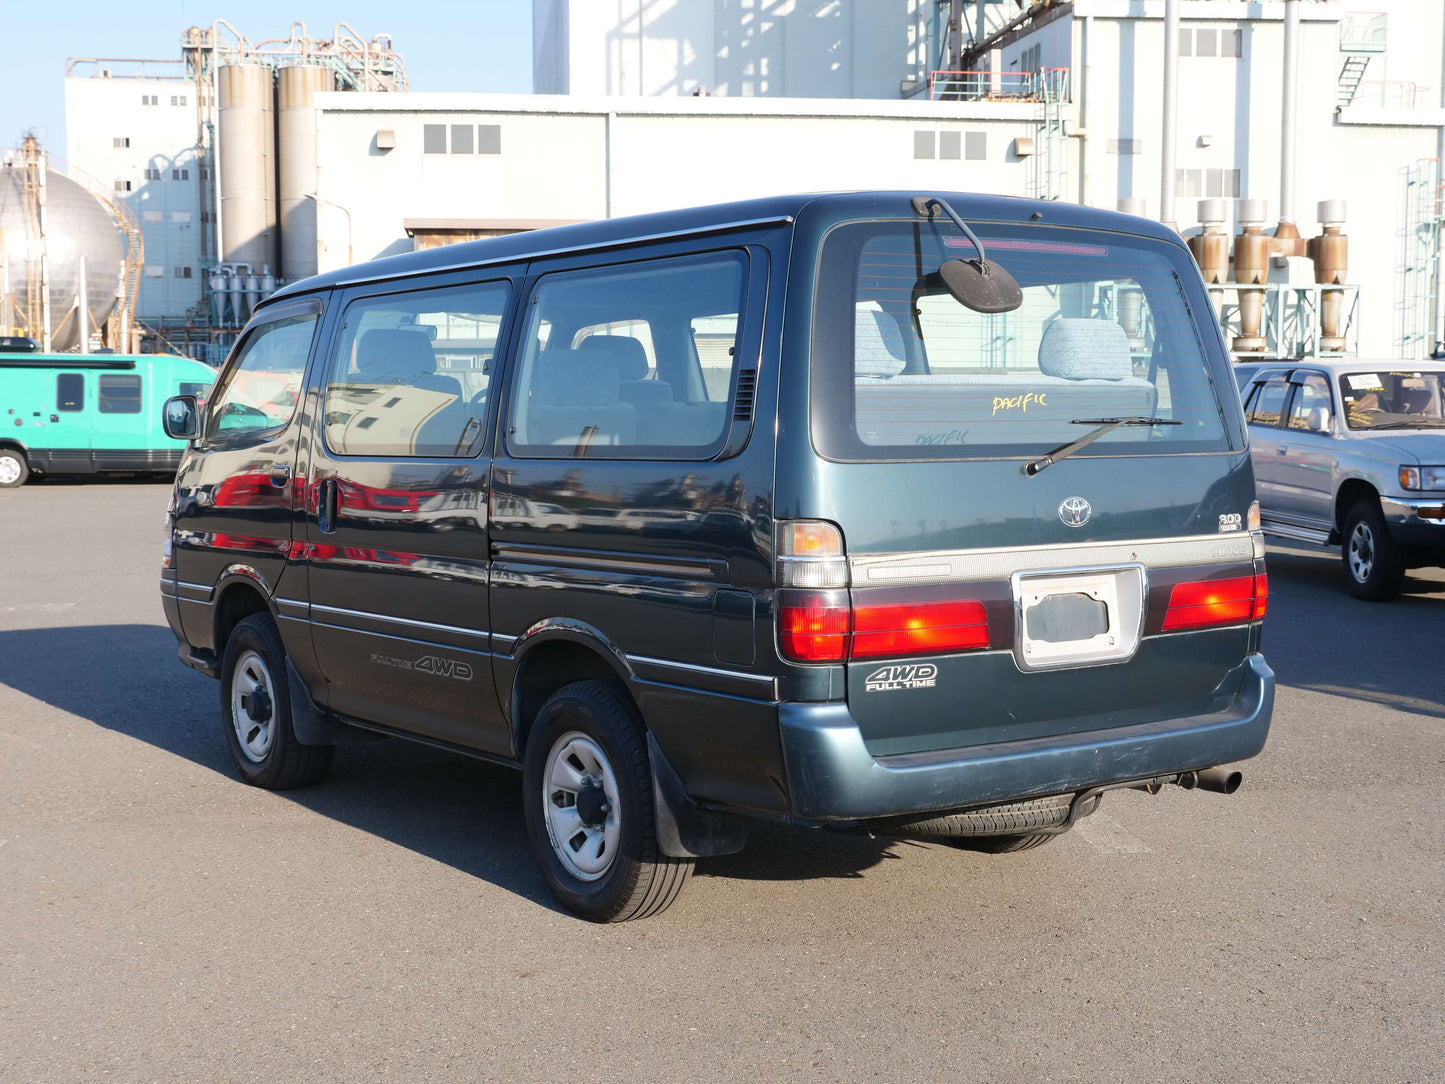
(595, 246)
(501, 639)
(732, 675)
(409, 622)
(407, 639)
(706, 569)
(953, 566)
(292, 603)
(201, 587)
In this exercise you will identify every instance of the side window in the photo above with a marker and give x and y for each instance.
(412, 371)
(198, 390)
(69, 392)
(259, 392)
(119, 394)
(1268, 402)
(1311, 395)
(647, 371)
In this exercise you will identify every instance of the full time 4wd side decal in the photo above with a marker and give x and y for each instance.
(887, 679)
(428, 664)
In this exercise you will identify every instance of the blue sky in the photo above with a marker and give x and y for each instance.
(482, 45)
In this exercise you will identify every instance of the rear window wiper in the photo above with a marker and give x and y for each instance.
(1104, 425)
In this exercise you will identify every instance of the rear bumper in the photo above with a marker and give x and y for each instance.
(833, 777)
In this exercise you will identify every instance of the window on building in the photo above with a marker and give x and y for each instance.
(1231, 43)
(69, 392)
(1189, 182)
(205, 218)
(181, 217)
(594, 391)
(119, 394)
(950, 145)
(153, 174)
(461, 139)
(178, 99)
(183, 272)
(1206, 43)
(122, 186)
(150, 99)
(923, 144)
(1186, 43)
(411, 373)
(180, 174)
(489, 139)
(975, 146)
(121, 141)
(150, 216)
(154, 272)
(1221, 182)
(434, 139)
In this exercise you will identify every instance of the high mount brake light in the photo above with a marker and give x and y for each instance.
(1205, 603)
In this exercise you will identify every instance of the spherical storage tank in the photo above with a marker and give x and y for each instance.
(76, 225)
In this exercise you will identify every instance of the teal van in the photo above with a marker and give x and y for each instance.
(90, 413)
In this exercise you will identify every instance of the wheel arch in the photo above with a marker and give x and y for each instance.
(1351, 491)
(555, 653)
(237, 598)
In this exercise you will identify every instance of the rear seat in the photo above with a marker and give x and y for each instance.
(1085, 370)
(575, 391)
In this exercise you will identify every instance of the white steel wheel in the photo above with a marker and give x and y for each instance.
(1361, 552)
(253, 706)
(581, 807)
(13, 470)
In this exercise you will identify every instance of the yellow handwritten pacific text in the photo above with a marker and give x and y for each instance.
(1019, 402)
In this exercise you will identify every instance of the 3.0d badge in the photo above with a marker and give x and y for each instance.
(1075, 511)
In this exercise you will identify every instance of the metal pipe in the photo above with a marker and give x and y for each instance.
(1171, 113)
(1439, 191)
(1085, 113)
(979, 25)
(955, 34)
(1220, 780)
(43, 167)
(82, 305)
(1289, 113)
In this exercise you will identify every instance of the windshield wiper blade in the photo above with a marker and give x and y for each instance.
(1418, 423)
(1105, 425)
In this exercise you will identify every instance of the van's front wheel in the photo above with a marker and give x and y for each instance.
(587, 789)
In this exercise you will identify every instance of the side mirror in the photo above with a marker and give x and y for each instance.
(180, 418)
(1319, 420)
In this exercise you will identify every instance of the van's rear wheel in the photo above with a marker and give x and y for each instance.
(587, 789)
(256, 707)
(13, 468)
(1373, 561)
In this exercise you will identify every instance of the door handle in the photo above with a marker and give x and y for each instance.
(326, 506)
(280, 475)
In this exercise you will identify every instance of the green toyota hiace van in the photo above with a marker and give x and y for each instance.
(922, 513)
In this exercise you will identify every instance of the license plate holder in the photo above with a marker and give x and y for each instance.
(1078, 617)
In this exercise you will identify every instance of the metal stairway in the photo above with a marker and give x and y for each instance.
(1351, 75)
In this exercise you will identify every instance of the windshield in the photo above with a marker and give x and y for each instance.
(1389, 400)
(903, 371)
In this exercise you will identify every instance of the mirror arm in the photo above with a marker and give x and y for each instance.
(942, 205)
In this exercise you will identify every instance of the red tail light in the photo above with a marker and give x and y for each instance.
(820, 626)
(929, 628)
(813, 625)
(1216, 602)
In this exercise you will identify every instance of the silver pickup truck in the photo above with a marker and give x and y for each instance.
(1352, 453)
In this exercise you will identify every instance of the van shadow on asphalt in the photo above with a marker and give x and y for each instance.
(1384, 653)
(465, 813)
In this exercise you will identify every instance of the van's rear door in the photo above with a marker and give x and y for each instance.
(935, 420)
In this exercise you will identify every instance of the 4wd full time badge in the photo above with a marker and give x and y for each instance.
(887, 679)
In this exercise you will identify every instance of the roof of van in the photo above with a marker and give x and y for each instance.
(27, 360)
(610, 232)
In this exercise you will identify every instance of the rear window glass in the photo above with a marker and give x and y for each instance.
(903, 371)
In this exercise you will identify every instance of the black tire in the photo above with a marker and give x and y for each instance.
(996, 829)
(14, 468)
(638, 880)
(1005, 844)
(1373, 562)
(273, 758)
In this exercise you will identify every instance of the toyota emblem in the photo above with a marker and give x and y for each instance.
(1075, 511)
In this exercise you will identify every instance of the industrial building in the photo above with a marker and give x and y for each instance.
(308, 154)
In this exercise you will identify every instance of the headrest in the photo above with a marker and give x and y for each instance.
(877, 345)
(1082, 349)
(631, 358)
(575, 378)
(396, 352)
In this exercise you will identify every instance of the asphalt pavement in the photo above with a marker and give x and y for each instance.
(160, 920)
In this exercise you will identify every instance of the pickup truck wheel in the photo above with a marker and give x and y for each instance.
(256, 708)
(1373, 562)
(13, 468)
(587, 789)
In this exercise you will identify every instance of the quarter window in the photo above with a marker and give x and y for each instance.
(260, 391)
(412, 371)
(69, 392)
(648, 365)
(119, 394)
